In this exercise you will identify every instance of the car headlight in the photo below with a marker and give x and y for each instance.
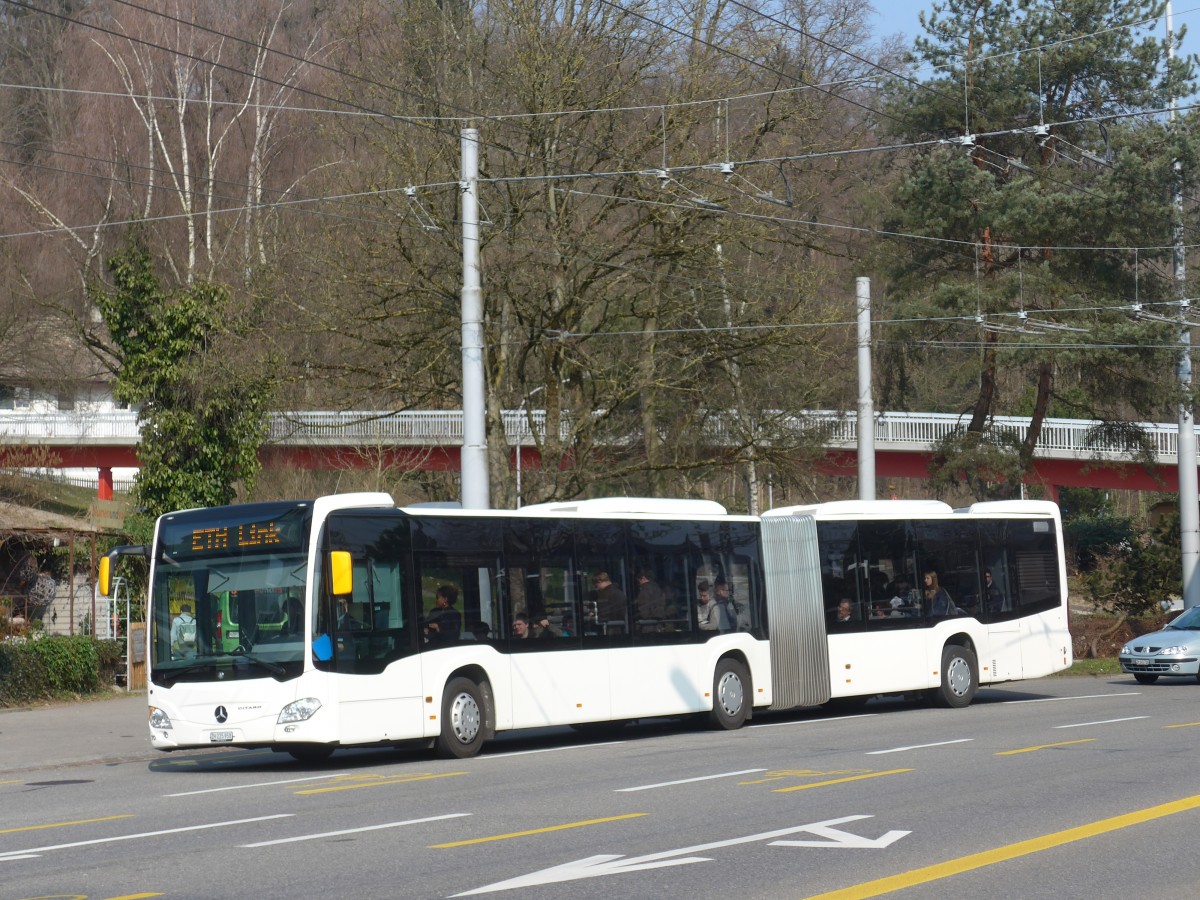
(1126, 650)
(299, 710)
(1173, 651)
(159, 718)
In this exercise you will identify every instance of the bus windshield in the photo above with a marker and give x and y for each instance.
(227, 595)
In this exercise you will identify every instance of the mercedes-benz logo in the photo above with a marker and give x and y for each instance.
(220, 714)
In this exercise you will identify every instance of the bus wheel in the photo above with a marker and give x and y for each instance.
(464, 712)
(1147, 678)
(311, 753)
(731, 695)
(959, 677)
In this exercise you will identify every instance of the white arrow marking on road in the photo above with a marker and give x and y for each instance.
(615, 864)
(838, 838)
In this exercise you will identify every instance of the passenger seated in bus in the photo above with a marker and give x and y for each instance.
(480, 631)
(523, 629)
(901, 603)
(650, 604)
(844, 611)
(611, 602)
(708, 616)
(731, 614)
(937, 600)
(993, 597)
(444, 622)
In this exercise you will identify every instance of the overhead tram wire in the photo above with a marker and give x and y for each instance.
(427, 123)
(373, 112)
(497, 118)
(421, 120)
(726, 52)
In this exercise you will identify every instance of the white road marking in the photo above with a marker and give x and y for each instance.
(325, 834)
(615, 864)
(648, 787)
(918, 747)
(813, 721)
(1102, 722)
(1080, 697)
(242, 787)
(548, 750)
(145, 834)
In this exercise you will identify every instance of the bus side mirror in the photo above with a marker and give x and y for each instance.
(105, 576)
(341, 573)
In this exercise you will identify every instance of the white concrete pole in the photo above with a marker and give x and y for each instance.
(866, 405)
(473, 465)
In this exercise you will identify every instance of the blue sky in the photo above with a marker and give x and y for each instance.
(900, 16)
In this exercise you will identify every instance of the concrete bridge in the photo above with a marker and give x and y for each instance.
(1069, 453)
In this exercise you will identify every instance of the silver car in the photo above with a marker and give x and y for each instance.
(1174, 651)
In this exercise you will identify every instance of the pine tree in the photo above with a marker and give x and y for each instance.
(1043, 187)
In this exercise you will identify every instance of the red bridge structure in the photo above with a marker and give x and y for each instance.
(1070, 452)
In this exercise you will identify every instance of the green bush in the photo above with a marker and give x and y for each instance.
(23, 675)
(41, 667)
(111, 656)
(72, 663)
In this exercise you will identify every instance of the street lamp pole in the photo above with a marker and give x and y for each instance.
(521, 436)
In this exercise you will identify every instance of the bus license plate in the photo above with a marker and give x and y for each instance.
(219, 737)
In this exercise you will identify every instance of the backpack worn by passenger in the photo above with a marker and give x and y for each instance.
(187, 632)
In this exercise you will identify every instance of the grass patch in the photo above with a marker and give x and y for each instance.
(1093, 667)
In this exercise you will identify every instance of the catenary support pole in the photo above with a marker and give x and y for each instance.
(475, 491)
(866, 405)
(1189, 501)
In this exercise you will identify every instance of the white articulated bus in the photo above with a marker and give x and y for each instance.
(346, 621)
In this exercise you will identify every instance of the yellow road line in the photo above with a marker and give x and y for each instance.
(1183, 725)
(1003, 854)
(63, 824)
(517, 834)
(14, 781)
(378, 782)
(1043, 747)
(805, 787)
(135, 896)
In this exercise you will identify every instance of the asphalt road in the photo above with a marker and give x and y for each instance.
(1062, 787)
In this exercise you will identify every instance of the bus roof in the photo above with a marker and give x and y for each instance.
(629, 506)
(896, 509)
(907, 509)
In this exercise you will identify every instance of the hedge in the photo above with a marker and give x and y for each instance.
(53, 667)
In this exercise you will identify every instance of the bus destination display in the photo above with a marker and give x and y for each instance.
(255, 534)
(249, 529)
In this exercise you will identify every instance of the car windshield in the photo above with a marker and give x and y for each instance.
(1189, 620)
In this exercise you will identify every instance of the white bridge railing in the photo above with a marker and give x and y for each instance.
(895, 431)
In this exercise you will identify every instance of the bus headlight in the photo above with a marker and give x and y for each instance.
(159, 719)
(299, 710)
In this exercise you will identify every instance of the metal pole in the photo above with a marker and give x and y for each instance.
(866, 405)
(1189, 501)
(473, 459)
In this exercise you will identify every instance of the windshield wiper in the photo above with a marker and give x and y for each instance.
(170, 676)
(239, 653)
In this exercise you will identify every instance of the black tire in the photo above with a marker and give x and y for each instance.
(960, 677)
(731, 695)
(1146, 677)
(311, 753)
(465, 719)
